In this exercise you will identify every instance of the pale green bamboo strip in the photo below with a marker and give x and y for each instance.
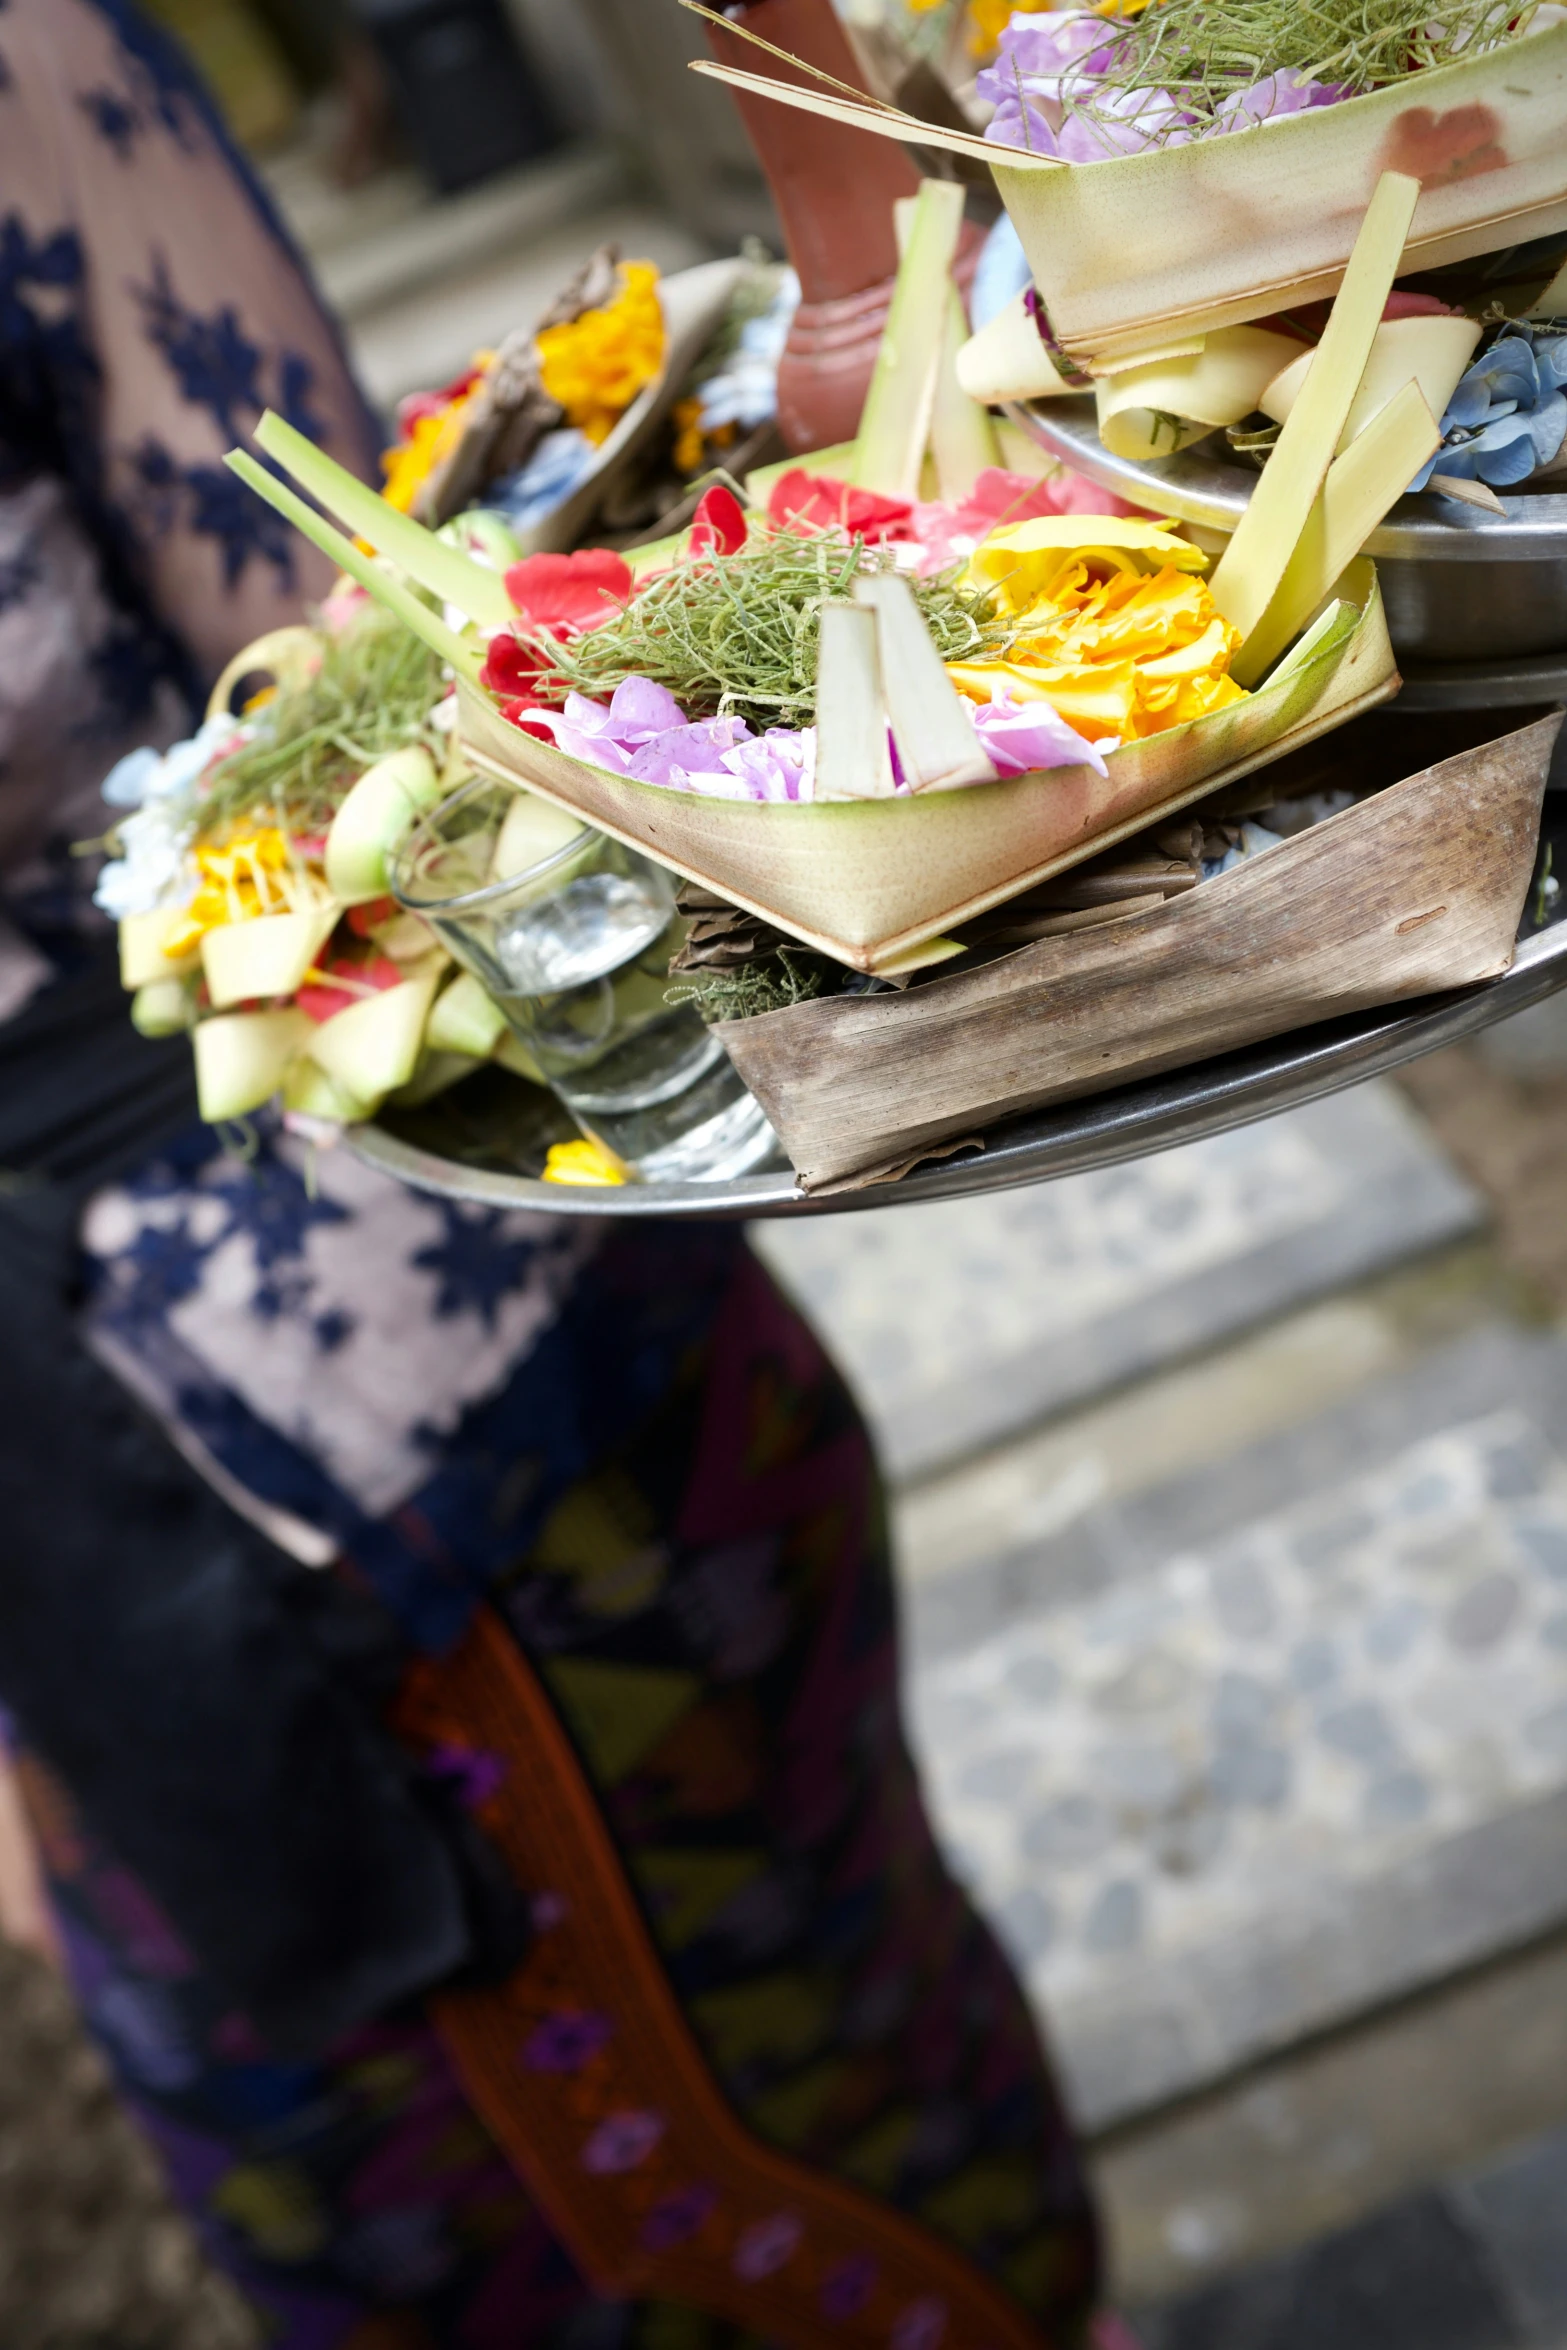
(466, 659)
(1258, 555)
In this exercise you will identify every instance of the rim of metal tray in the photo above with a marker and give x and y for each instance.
(1199, 487)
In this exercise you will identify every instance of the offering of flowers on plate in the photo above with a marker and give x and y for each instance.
(531, 427)
(249, 881)
(890, 623)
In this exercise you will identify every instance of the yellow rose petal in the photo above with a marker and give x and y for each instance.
(585, 1164)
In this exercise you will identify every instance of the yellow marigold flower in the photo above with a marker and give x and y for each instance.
(595, 367)
(430, 438)
(690, 442)
(1099, 699)
(247, 878)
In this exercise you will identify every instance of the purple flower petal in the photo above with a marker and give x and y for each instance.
(476, 1775)
(1044, 43)
(1282, 93)
(642, 709)
(1007, 128)
(582, 731)
(779, 765)
(1022, 737)
(847, 2288)
(687, 751)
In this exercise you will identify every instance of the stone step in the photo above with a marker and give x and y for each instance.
(393, 237)
(1307, 2145)
(1478, 2263)
(1263, 1748)
(966, 1322)
(421, 282)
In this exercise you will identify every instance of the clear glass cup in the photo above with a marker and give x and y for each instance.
(574, 944)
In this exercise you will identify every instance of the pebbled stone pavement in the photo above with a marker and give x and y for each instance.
(1263, 1770)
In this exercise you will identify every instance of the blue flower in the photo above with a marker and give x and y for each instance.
(1508, 416)
(561, 460)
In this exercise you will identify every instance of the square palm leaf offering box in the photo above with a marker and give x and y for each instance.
(1191, 165)
(876, 710)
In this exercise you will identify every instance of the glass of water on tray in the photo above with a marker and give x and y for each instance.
(572, 934)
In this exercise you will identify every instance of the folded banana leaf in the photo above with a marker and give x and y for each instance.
(1418, 887)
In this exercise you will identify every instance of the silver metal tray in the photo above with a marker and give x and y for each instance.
(441, 1151)
(1461, 586)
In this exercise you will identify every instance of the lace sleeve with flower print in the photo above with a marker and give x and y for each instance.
(150, 308)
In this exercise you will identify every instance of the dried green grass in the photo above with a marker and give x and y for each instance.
(373, 693)
(737, 636)
(769, 983)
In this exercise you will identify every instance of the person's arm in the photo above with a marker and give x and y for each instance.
(150, 308)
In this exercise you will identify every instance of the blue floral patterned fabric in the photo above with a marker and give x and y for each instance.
(150, 308)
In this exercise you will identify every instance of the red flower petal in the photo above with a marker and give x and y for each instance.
(321, 1004)
(418, 405)
(512, 668)
(718, 526)
(322, 1001)
(363, 919)
(569, 593)
(817, 501)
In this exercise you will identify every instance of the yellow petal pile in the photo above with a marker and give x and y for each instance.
(595, 367)
(251, 877)
(1115, 629)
